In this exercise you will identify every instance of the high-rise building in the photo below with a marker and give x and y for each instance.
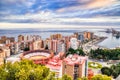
(67, 42)
(81, 36)
(54, 45)
(20, 38)
(56, 36)
(16, 47)
(47, 43)
(37, 45)
(61, 46)
(75, 66)
(26, 38)
(12, 39)
(88, 35)
(3, 38)
(74, 43)
(7, 40)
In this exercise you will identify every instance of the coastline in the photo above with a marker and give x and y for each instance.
(100, 40)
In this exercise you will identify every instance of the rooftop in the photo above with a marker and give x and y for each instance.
(75, 59)
(54, 63)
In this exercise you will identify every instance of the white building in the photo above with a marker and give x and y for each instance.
(74, 43)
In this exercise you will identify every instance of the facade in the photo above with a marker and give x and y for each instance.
(4, 53)
(2, 56)
(55, 64)
(75, 66)
(6, 40)
(20, 38)
(56, 36)
(74, 43)
(37, 45)
(36, 37)
(26, 38)
(47, 43)
(54, 45)
(67, 42)
(61, 46)
(81, 36)
(14, 48)
(3, 39)
(88, 35)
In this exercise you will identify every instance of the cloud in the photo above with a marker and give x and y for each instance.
(99, 3)
(49, 17)
(41, 16)
(90, 12)
(88, 4)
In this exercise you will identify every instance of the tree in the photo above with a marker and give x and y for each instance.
(106, 71)
(24, 70)
(27, 70)
(46, 47)
(66, 77)
(26, 49)
(78, 51)
(114, 70)
(83, 78)
(101, 77)
(105, 54)
(3, 73)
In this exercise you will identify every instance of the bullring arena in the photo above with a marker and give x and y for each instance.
(38, 56)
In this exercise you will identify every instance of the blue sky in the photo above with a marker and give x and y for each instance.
(78, 12)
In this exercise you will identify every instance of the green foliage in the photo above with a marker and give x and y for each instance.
(114, 70)
(105, 54)
(78, 51)
(46, 47)
(83, 78)
(107, 71)
(51, 76)
(24, 70)
(101, 77)
(97, 77)
(66, 77)
(94, 65)
(26, 49)
(27, 70)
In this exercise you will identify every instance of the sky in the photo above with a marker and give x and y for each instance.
(59, 12)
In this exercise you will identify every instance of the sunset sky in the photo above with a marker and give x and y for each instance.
(70, 12)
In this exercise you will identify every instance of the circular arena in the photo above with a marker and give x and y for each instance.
(38, 56)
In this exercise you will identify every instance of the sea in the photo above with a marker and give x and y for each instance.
(110, 42)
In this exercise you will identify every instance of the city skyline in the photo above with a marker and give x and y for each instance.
(60, 12)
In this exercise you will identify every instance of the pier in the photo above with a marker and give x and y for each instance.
(114, 32)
